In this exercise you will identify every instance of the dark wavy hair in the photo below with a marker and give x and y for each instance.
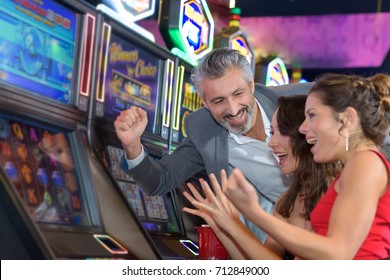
(310, 179)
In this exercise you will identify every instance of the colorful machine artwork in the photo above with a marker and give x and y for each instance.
(188, 28)
(37, 44)
(276, 73)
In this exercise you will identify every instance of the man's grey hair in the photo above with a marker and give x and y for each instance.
(217, 63)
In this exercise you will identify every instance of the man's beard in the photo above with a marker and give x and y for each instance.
(241, 128)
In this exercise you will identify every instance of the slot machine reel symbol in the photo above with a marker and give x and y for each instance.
(31, 54)
(11, 171)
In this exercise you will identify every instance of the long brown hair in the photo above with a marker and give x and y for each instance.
(310, 179)
(370, 97)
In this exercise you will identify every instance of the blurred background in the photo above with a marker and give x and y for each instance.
(349, 36)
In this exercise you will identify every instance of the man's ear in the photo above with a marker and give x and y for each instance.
(204, 102)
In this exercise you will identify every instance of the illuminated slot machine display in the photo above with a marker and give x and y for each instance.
(187, 27)
(132, 71)
(233, 37)
(52, 181)
(186, 102)
(272, 72)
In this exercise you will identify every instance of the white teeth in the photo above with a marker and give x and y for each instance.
(236, 117)
(281, 155)
(311, 141)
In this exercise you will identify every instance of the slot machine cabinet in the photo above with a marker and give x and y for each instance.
(21, 239)
(187, 28)
(45, 77)
(185, 101)
(134, 71)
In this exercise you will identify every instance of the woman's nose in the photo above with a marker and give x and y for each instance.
(303, 127)
(272, 141)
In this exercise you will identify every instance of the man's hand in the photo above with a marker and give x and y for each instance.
(129, 127)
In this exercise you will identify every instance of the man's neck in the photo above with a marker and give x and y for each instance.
(257, 131)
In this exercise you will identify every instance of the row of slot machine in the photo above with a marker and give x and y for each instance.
(66, 72)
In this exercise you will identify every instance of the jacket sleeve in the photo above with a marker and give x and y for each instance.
(162, 176)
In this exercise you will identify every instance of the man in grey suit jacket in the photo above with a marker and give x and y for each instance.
(229, 131)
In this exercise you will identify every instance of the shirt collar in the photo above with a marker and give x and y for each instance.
(242, 139)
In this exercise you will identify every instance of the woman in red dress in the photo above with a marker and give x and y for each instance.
(347, 119)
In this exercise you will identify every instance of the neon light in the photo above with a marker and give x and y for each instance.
(276, 73)
(110, 244)
(103, 59)
(239, 43)
(86, 64)
(196, 29)
(169, 68)
(179, 89)
(191, 246)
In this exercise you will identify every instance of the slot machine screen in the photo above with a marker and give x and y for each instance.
(41, 166)
(37, 42)
(132, 78)
(155, 212)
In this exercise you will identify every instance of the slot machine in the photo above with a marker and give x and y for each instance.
(272, 71)
(132, 70)
(187, 28)
(57, 189)
(184, 103)
(233, 37)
